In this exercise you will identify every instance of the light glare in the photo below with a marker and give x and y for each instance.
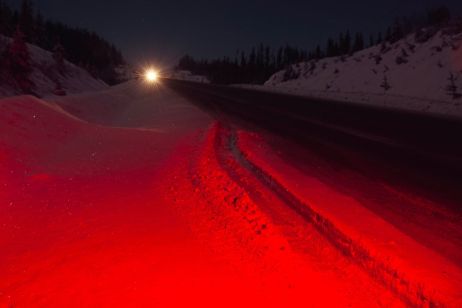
(151, 76)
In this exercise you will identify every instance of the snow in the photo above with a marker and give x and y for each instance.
(186, 75)
(131, 197)
(45, 76)
(133, 104)
(420, 264)
(419, 84)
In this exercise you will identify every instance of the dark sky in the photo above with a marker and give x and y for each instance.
(165, 30)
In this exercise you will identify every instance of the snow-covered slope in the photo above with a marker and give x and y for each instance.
(413, 73)
(46, 76)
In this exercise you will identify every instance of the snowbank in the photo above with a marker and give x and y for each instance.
(46, 76)
(415, 73)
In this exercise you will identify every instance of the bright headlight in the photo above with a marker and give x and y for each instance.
(151, 76)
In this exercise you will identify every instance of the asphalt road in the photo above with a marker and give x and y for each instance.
(420, 151)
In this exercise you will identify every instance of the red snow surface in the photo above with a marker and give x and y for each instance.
(161, 215)
(411, 244)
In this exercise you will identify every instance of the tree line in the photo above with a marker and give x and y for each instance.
(257, 66)
(79, 46)
(253, 67)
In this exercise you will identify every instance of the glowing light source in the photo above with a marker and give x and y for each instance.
(151, 76)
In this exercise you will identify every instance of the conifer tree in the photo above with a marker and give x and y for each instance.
(379, 38)
(279, 58)
(6, 19)
(243, 59)
(330, 48)
(40, 33)
(347, 46)
(341, 44)
(19, 63)
(358, 43)
(318, 52)
(26, 20)
(58, 56)
(371, 40)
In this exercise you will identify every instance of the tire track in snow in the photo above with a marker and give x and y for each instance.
(250, 223)
(410, 292)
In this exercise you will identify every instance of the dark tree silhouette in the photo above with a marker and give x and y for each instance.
(359, 42)
(18, 62)
(318, 53)
(26, 20)
(439, 15)
(257, 67)
(379, 38)
(347, 43)
(58, 56)
(6, 19)
(331, 48)
(83, 47)
(262, 61)
(371, 40)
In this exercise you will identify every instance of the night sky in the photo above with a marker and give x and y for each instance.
(162, 31)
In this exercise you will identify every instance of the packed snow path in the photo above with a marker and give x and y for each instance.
(134, 197)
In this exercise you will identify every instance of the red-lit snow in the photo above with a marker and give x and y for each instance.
(138, 199)
(411, 244)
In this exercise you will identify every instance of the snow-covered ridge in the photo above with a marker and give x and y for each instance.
(421, 72)
(46, 76)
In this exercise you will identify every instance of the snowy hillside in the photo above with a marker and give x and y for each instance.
(46, 76)
(421, 72)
